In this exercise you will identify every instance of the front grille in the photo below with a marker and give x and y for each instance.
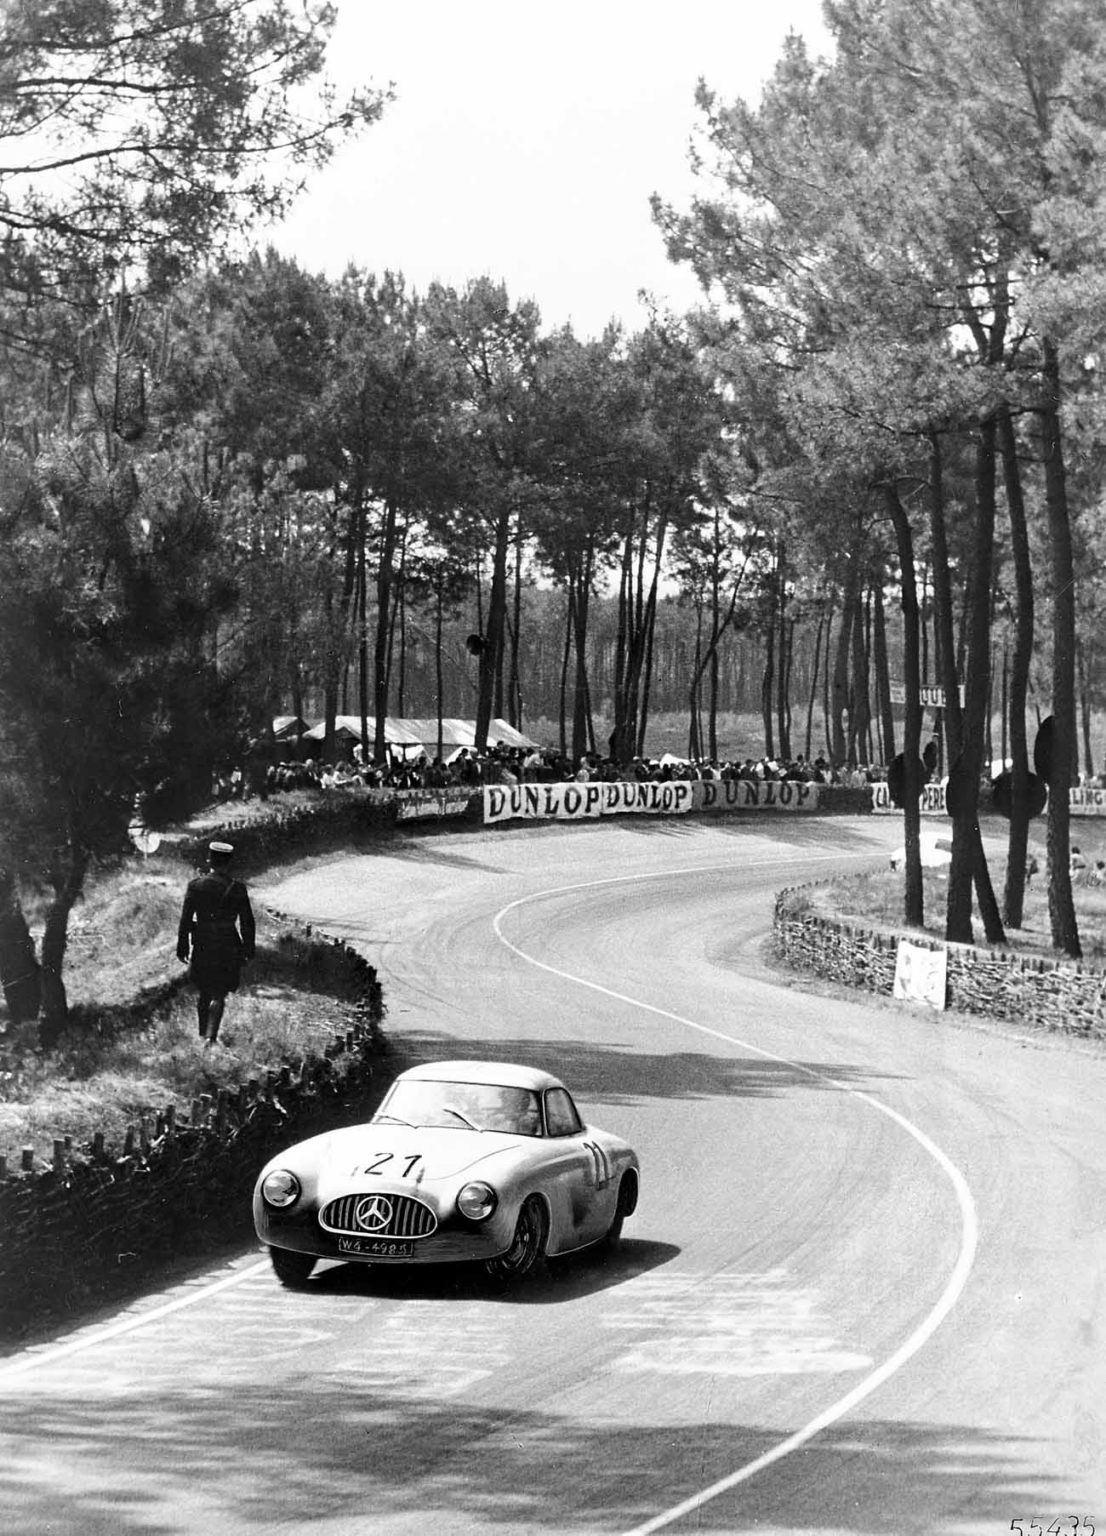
(379, 1216)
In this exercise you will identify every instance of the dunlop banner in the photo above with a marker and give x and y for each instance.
(574, 802)
(754, 795)
(415, 804)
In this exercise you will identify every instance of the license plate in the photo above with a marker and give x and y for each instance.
(376, 1248)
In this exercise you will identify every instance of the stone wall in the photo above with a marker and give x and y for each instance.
(1038, 993)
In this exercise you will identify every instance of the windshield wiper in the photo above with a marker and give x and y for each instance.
(410, 1124)
(450, 1110)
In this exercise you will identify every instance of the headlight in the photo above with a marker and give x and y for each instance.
(477, 1201)
(280, 1188)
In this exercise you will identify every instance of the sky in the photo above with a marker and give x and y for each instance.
(525, 140)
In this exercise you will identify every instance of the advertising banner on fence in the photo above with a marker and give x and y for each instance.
(754, 795)
(931, 799)
(1085, 801)
(576, 802)
(414, 804)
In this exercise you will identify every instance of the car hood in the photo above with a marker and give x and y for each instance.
(399, 1153)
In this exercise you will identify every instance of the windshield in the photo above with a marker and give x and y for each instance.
(464, 1106)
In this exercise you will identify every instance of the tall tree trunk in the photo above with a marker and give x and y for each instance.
(694, 750)
(67, 879)
(624, 737)
(815, 668)
(783, 667)
(439, 680)
(338, 627)
(491, 656)
(860, 714)
(913, 892)
(645, 677)
(1061, 903)
(361, 607)
(968, 859)
(882, 670)
(839, 746)
(1085, 709)
(581, 708)
(827, 727)
(713, 683)
(1004, 706)
(788, 643)
(514, 691)
(19, 969)
(381, 670)
(566, 654)
(766, 688)
(1017, 686)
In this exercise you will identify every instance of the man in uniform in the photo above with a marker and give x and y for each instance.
(216, 935)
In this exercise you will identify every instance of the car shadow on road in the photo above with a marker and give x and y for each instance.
(324, 1446)
(619, 1075)
(594, 1269)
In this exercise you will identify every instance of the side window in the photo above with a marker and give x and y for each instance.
(561, 1118)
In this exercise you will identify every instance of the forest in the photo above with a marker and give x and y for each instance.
(870, 460)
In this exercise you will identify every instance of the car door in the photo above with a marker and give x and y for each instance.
(585, 1189)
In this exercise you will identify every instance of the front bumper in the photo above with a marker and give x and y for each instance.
(454, 1242)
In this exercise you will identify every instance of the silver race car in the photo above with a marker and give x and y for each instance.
(464, 1160)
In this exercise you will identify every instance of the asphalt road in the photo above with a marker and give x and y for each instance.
(863, 1291)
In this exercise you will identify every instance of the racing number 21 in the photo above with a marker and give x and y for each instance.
(386, 1157)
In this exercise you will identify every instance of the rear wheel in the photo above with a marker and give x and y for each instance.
(291, 1269)
(527, 1245)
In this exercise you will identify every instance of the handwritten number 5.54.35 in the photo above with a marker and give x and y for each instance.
(1062, 1525)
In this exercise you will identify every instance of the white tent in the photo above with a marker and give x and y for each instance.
(417, 734)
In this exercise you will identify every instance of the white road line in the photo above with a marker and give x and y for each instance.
(969, 1222)
(33, 1359)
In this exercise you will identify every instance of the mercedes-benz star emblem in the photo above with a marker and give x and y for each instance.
(373, 1213)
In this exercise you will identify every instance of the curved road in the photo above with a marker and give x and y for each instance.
(863, 1291)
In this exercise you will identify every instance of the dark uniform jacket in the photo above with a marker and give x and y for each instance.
(217, 929)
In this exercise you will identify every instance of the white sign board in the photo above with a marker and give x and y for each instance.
(921, 974)
(930, 696)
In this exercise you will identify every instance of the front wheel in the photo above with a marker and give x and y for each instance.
(527, 1245)
(291, 1269)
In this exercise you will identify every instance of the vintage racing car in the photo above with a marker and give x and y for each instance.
(464, 1160)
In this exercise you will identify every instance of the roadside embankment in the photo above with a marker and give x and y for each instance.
(1036, 991)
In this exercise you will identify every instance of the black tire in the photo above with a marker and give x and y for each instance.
(627, 1204)
(291, 1269)
(527, 1246)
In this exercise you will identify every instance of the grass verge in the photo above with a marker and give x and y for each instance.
(875, 900)
(106, 1071)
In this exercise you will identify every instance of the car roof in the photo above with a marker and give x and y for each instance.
(502, 1074)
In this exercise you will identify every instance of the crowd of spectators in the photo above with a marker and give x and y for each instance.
(501, 764)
